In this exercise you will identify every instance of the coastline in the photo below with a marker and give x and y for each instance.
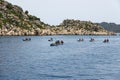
(53, 34)
(16, 31)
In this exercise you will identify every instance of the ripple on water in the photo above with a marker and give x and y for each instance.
(54, 76)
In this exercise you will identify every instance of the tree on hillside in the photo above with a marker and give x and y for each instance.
(26, 12)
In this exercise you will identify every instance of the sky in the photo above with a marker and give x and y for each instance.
(54, 12)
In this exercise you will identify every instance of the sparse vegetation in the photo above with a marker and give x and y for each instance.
(77, 24)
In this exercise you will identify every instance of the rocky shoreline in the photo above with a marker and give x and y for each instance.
(42, 32)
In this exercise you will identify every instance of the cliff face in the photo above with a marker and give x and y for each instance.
(14, 21)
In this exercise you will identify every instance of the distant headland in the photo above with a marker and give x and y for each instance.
(15, 21)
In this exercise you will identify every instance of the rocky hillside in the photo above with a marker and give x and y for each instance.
(82, 27)
(15, 21)
(111, 26)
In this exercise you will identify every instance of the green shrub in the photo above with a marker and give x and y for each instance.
(9, 6)
(33, 18)
(1, 15)
(0, 26)
(39, 26)
(26, 12)
(5, 21)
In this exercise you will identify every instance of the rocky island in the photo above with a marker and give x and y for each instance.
(15, 21)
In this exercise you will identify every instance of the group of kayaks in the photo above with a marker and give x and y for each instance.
(81, 40)
(92, 39)
(61, 42)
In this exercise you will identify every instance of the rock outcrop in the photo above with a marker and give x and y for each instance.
(15, 21)
(77, 27)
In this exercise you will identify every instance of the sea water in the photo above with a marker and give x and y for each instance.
(37, 60)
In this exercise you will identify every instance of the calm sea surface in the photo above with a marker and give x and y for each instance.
(37, 60)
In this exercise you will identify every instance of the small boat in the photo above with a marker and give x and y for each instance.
(53, 44)
(91, 40)
(27, 39)
(106, 41)
(58, 42)
(51, 39)
(80, 40)
(62, 42)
